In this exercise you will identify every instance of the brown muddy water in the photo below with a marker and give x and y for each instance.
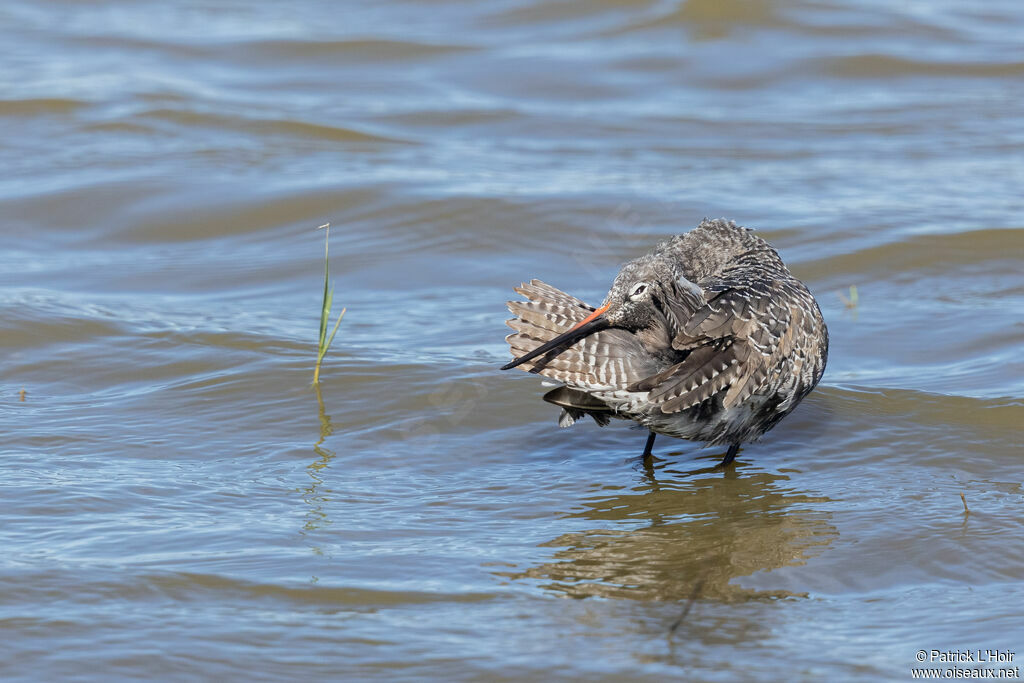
(176, 504)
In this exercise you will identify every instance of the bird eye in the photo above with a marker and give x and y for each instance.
(638, 290)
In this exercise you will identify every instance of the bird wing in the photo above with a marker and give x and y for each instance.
(733, 341)
(606, 360)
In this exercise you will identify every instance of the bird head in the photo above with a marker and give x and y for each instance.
(635, 302)
(636, 299)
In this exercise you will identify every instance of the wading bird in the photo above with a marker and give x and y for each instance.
(707, 338)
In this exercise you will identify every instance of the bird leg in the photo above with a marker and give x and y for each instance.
(730, 455)
(647, 449)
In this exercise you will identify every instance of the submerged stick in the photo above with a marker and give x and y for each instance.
(963, 499)
(686, 610)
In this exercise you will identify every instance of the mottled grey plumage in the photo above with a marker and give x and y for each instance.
(708, 338)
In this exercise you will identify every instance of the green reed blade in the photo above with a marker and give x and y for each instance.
(335, 330)
(324, 342)
(325, 306)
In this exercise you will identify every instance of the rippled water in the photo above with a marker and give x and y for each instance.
(177, 502)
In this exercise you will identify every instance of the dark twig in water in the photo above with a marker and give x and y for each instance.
(963, 499)
(689, 605)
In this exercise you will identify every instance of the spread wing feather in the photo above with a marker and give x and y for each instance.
(608, 360)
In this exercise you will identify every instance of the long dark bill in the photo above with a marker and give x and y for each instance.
(593, 323)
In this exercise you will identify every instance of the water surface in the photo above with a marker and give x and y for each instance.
(178, 502)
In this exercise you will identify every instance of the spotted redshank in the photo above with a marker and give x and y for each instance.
(708, 338)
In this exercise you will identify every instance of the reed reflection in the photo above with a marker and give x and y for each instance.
(673, 531)
(315, 495)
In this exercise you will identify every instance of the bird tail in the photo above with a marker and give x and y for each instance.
(576, 404)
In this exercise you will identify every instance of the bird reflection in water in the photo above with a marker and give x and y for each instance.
(671, 533)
